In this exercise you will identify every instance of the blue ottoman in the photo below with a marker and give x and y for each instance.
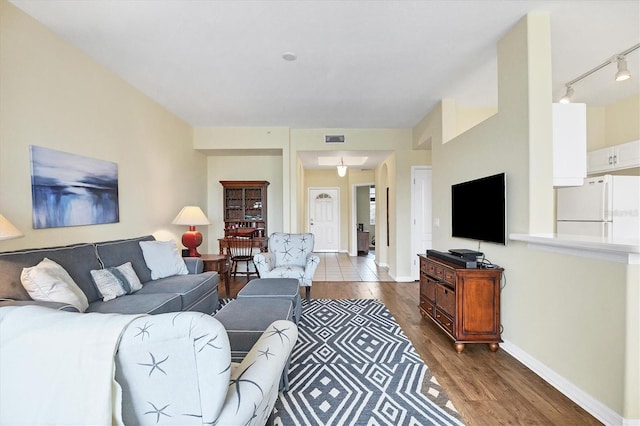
(275, 288)
(246, 320)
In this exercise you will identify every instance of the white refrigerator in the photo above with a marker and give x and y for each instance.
(604, 206)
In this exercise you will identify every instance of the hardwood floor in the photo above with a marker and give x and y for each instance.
(487, 388)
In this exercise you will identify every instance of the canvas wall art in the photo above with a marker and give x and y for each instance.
(72, 190)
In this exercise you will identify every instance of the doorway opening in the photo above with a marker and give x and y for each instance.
(363, 220)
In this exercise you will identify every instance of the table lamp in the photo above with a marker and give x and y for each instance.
(7, 230)
(191, 216)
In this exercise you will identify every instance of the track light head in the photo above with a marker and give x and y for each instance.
(623, 72)
(567, 96)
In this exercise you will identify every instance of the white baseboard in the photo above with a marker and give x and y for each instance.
(400, 279)
(406, 279)
(594, 407)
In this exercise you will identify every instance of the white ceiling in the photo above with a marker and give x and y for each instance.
(360, 64)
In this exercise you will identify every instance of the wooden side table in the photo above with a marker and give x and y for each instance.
(220, 264)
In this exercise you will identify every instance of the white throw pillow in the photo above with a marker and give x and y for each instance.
(49, 282)
(163, 259)
(115, 282)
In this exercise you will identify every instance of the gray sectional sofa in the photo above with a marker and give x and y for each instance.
(197, 291)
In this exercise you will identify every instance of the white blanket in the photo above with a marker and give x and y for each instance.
(58, 367)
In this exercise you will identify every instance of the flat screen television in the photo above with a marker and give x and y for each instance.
(478, 209)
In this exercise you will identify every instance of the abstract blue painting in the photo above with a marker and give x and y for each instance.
(72, 190)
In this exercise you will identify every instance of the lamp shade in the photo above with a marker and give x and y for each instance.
(191, 215)
(7, 230)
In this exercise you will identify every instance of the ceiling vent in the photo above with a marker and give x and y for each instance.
(333, 138)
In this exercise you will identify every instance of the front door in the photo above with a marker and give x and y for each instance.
(324, 218)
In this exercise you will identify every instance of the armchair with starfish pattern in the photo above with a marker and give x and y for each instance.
(289, 256)
(176, 369)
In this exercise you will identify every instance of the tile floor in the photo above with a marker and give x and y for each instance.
(342, 267)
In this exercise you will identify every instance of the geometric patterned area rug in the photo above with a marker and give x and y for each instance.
(353, 365)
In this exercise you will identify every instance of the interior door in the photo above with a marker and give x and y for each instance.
(422, 232)
(324, 218)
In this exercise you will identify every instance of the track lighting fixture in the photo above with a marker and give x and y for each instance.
(342, 169)
(622, 74)
(567, 96)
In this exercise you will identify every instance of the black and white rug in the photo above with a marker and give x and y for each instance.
(353, 365)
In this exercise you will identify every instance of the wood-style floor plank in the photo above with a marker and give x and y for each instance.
(487, 388)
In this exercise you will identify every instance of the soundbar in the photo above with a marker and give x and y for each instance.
(452, 259)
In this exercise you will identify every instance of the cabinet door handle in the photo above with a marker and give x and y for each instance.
(615, 159)
(610, 160)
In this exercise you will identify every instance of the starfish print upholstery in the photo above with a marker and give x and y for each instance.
(182, 374)
(289, 256)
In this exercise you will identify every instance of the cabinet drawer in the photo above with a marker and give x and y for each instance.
(428, 308)
(423, 264)
(439, 272)
(449, 276)
(446, 299)
(431, 268)
(444, 321)
(428, 289)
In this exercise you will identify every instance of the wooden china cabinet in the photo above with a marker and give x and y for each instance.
(245, 207)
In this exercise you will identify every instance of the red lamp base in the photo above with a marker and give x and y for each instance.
(191, 240)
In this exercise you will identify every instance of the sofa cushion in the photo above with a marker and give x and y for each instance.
(245, 329)
(163, 259)
(115, 253)
(76, 259)
(157, 303)
(116, 281)
(49, 282)
(190, 288)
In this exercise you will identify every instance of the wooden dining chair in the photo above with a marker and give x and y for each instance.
(240, 249)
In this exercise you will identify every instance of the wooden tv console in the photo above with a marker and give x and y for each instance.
(464, 303)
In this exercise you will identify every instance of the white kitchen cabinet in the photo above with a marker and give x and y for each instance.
(617, 157)
(569, 144)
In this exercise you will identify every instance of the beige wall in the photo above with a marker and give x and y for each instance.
(613, 124)
(466, 117)
(623, 121)
(54, 96)
(553, 306)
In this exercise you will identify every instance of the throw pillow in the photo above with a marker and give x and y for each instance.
(163, 259)
(115, 282)
(49, 282)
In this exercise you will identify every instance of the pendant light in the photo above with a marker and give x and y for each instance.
(342, 169)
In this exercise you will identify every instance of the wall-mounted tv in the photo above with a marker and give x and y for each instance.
(478, 209)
